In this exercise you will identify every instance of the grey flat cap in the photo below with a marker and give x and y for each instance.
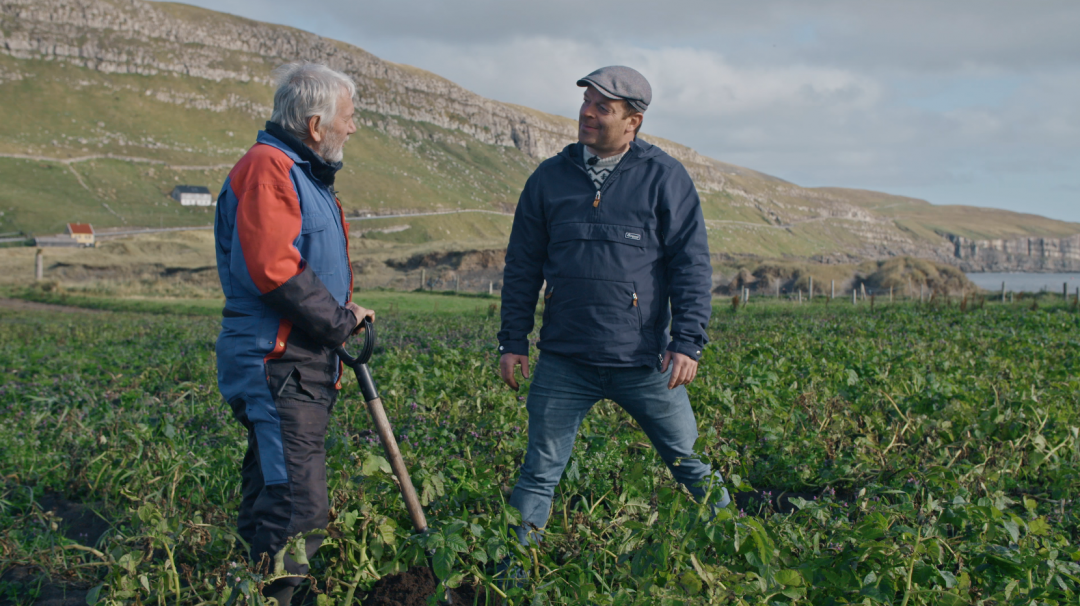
(621, 82)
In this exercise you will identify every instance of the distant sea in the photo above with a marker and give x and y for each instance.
(1025, 282)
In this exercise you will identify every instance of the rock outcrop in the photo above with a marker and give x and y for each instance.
(1021, 254)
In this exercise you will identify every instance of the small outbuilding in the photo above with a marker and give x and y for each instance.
(78, 234)
(83, 233)
(192, 195)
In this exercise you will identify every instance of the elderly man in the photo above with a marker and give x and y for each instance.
(614, 226)
(283, 260)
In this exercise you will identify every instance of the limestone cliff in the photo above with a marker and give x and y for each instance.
(148, 38)
(1020, 254)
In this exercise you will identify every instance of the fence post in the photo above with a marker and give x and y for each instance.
(890, 294)
(423, 278)
(491, 287)
(854, 293)
(39, 265)
(832, 289)
(810, 294)
(1003, 291)
(862, 287)
(778, 288)
(457, 283)
(746, 294)
(1065, 291)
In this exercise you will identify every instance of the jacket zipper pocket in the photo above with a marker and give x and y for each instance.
(596, 200)
(635, 300)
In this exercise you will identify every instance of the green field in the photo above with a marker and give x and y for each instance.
(903, 455)
(382, 301)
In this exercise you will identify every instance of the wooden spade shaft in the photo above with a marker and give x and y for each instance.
(382, 424)
(393, 454)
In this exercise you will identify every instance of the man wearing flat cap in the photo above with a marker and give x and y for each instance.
(613, 226)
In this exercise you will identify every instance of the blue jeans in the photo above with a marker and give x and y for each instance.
(562, 393)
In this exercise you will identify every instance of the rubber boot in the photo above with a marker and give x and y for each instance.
(279, 591)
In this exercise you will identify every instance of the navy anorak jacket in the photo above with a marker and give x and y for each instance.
(621, 264)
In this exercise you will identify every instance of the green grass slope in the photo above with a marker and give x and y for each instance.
(972, 222)
(141, 145)
(102, 135)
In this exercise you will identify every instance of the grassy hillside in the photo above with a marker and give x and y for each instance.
(64, 113)
(973, 222)
(99, 122)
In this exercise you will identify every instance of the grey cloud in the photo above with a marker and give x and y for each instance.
(915, 35)
(836, 92)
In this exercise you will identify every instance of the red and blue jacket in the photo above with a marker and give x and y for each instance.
(283, 261)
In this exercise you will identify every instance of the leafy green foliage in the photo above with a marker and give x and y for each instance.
(935, 455)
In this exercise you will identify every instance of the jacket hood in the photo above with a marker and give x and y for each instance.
(639, 152)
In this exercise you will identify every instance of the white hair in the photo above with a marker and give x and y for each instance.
(305, 90)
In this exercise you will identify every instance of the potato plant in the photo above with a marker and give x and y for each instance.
(898, 455)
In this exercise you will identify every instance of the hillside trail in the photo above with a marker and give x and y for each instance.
(87, 158)
(70, 162)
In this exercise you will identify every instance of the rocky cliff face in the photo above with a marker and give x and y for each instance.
(142, 38)
(137, 37)
(1021, 254)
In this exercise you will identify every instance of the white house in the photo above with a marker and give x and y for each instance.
(192, 195)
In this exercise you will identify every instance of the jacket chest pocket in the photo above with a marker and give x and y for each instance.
(631, 236)
(587, 309)
(317, 244)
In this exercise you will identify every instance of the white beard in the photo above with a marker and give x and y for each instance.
(332, 147)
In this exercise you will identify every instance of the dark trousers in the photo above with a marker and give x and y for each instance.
(270, 515)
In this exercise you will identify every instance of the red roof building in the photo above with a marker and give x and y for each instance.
(83, 233)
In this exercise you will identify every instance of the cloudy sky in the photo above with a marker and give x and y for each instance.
(960, 102)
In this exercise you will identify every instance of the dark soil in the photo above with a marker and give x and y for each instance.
(80, 522)
(20, 584)
(413, 588)
(23, 583)
(755, 502)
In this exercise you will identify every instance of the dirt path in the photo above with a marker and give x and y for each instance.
(87, 158)
(21, 305)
